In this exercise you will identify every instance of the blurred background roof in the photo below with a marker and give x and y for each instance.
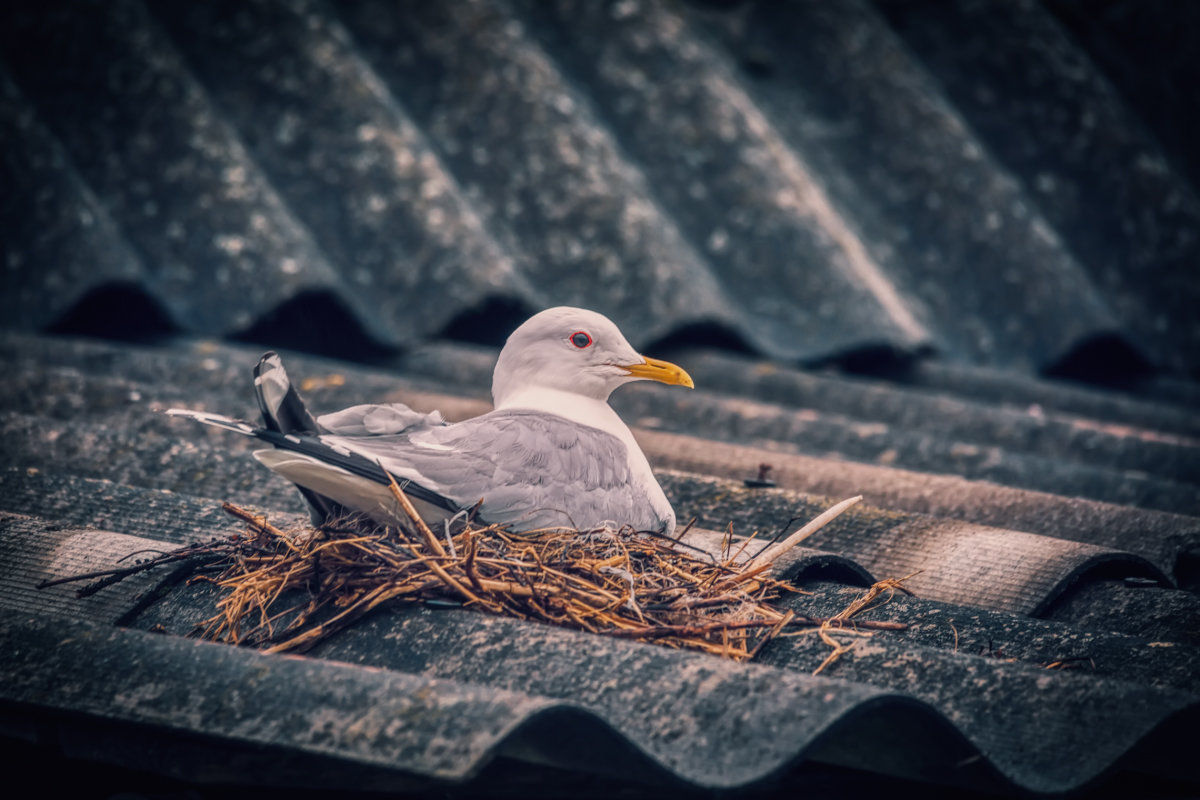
(942, 254)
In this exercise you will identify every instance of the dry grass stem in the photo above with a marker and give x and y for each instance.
(839, 622)
(769, 555)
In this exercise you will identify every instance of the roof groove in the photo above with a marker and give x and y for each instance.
(955, 227)
(1090, 166)
(365, 180)
(163, 117)
(73, 229)
(457, 646)
(576, 211)
(789, 198)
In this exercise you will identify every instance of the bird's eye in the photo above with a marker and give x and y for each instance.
(580, 339)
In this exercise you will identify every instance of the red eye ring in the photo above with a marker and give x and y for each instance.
(580, 339)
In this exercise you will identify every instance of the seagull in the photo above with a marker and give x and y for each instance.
(552, 455)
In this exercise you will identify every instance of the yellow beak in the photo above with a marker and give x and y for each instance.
(661, 371)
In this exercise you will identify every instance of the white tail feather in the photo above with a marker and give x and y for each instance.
(219, 420)
(345, 488)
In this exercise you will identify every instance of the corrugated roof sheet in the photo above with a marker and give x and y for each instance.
(794, 174)
(982, 629)
(869, 230)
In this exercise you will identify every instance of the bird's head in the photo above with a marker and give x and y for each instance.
(575, 350)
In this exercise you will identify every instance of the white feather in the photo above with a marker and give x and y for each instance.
(356, 493)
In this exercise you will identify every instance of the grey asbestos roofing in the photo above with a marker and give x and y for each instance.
(93, 472)
(805, 176)
(875, 233)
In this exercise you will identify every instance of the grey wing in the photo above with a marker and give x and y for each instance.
(531, 470)
(378, 419)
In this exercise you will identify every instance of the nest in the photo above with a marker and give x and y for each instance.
(617, 582)
(286, 591)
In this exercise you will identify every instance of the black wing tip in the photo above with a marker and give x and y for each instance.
(311, 445)
(268, 360)
(285, 411)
